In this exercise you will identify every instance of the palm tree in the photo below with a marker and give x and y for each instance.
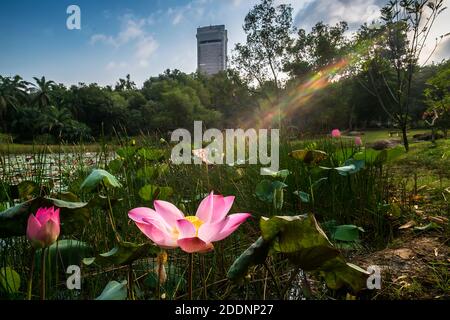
(54, 120)
(13, 92)
(43, 88)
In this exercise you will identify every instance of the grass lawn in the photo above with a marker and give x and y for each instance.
(374, 135)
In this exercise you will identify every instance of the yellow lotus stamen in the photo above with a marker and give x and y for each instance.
(196, 222)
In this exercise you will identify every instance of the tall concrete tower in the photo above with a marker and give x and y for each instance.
(212, 49)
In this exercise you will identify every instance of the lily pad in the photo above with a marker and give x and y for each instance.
(254, 255)
(265, 190)
(300, 238)
(66, 252)
(124, 253)
(346, 233)
(276, 174)
(304, 197)
(309, 157)
(98, 177)
(338, 273)
(114, 291)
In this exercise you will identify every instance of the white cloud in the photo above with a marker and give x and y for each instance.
(177, 18)
(133, 32)
(354, 12)
(145, 49)
(441, 52)
(112, 65)
(102, 38)
(131, 29)
(237, 3)
(193, 10)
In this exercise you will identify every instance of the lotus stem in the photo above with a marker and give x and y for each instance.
(111, 215)
(43, 252)
(160, 263)
(131, 282)
(30, 277)
(191, 275)
(204, 278)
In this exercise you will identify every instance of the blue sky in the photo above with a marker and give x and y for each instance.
(141, 37)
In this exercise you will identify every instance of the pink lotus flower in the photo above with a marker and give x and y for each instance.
(169, 228)
(336, 133)
(43, 229)
(358, 141)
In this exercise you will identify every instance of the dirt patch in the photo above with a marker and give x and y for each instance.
(415, 267)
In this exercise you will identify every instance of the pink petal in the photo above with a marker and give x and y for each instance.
(209, 231)
(49, 233)
(233, 221)
(204, 211)
(214, 208)
(33, 227)
(186, 228)
(43, 215)
(139, 215)
(161, 238)
(55, 216)
(168, 212)
(191, 245)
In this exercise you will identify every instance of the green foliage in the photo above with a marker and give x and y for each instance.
(437, 97)
(304, 197)
(124, 253)
(308, 251)
(309, 157)
(268, 29)
(114, 291)
(100, 177)
(151, 192)
(266, 189)
(350, 166)
(253, 255)
(64, 253)
(346, 233)
(9, 280)
(301, 240)
(323, 46)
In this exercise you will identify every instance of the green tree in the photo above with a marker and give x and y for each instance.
(13, 94)
(437, 97)
(53, 120)
(42, 92)
(231, 96)
(391, 52)
(323, 46)
(268, 29)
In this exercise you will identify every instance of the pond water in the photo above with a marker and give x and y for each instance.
(54, 167)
